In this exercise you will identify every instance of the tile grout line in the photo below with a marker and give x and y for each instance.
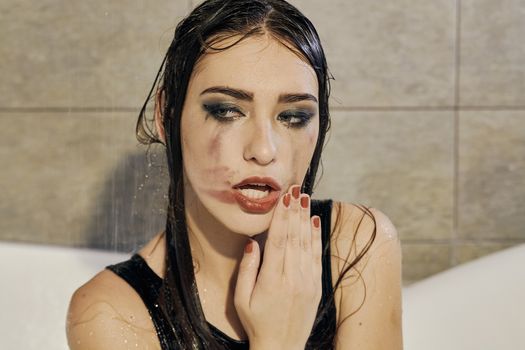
(428, 108)
(348, 109)
(477, 241)
(69, 109)
(457, 99)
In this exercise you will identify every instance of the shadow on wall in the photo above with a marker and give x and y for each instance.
(131, 206)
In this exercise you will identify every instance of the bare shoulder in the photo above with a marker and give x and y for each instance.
(366, 258)
(357, 230)
(107, 313)
(352, 217)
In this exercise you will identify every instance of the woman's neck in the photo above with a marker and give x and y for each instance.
(216, 250)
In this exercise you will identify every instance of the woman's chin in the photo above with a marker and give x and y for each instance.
(247, 224)
(249, 231)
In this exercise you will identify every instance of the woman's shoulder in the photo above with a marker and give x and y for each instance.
(366, 250)
(359, 223)
(106, 312)
(358, 231)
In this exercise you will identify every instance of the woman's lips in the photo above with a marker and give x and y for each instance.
(259, 205)
(246, 202)
(267, 180)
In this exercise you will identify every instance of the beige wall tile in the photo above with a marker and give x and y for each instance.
(492, 54)
(469, 251)
(399, 162)
(388, 53)
(78, 180)
(83, 53)
(491, 194)
(422, 260)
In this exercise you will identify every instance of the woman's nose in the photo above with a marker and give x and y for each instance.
(260, 142)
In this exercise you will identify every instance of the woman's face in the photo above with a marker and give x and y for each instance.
(250, 110)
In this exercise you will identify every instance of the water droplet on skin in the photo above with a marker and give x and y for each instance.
(384, 261)
(125, 341)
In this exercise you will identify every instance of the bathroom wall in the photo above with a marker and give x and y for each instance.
(428, 111)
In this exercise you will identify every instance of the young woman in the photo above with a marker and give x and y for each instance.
(247, 260)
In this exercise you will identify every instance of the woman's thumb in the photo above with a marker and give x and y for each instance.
(247, 275)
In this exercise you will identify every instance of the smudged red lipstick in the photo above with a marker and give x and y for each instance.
(257, 194)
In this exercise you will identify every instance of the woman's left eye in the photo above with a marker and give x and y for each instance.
(297, 119)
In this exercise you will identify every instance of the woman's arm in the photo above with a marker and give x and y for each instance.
(372, 295)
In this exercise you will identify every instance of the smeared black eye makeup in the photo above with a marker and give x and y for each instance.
(296, 119)
(223, 112)
(227, 113)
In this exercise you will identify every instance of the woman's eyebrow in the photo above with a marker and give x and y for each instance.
(248, 96)
(235, 93)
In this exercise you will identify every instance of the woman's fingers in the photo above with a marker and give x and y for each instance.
(306, 233)
(292, 261)
(317, 249)
(247, 275)
(285, 294)
(274, 248)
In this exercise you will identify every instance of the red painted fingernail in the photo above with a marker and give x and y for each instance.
(296, 191)
(304, 202)
(286, 200)
(316, 222)
(248, 247)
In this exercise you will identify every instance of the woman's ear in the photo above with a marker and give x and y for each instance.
(160, 99)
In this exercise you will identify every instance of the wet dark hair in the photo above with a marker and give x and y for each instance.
(210, 23)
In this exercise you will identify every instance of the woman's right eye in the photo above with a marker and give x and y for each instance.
(223, 112)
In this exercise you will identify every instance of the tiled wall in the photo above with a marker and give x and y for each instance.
(428, 111)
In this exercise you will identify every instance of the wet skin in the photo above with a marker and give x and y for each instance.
(228, 136)
(225, 139)
(259, 140)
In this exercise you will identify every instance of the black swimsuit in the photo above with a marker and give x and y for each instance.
(147, 284)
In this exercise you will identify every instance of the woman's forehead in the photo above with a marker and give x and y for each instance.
(258, 63)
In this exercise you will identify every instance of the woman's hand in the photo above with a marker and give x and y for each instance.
(278, 305)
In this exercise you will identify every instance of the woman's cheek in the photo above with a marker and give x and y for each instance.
(204, 170)
(303, 152)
